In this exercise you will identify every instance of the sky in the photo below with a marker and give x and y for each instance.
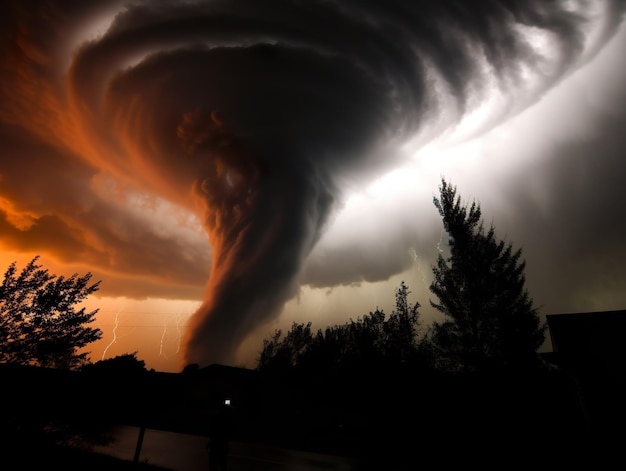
(228, 168)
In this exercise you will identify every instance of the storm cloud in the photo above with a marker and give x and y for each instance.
(258, 118)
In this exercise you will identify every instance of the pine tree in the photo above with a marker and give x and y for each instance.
(403, 328)
(39, 324)
(490, 321)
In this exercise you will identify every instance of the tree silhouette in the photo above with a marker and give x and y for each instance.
(371, 340)
(126, 364)
(402, 329)
(490, 319)
(39, 324)
(280, 353)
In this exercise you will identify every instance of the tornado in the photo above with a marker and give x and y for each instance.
(260, 117)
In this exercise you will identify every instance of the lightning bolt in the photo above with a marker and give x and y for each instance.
(420, 271)
(115, 326)
(179, 316)
(163, 335)
(439, 249)
(179, 335)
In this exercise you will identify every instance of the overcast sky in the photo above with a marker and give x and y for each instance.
(227, 168)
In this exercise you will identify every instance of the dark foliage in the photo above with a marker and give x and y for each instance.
(369, 342)
(122, 365)
(39, 323)
(490, 319)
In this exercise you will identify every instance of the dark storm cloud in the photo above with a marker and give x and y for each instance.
(260, 116)
(580, 216)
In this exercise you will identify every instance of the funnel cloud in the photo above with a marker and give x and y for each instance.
(259, 118)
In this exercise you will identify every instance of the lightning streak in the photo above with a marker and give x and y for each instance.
(178, 332)
(115, 326)
(439, 249)
(163, 335)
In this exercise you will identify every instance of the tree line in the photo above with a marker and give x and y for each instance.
(489, 321)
